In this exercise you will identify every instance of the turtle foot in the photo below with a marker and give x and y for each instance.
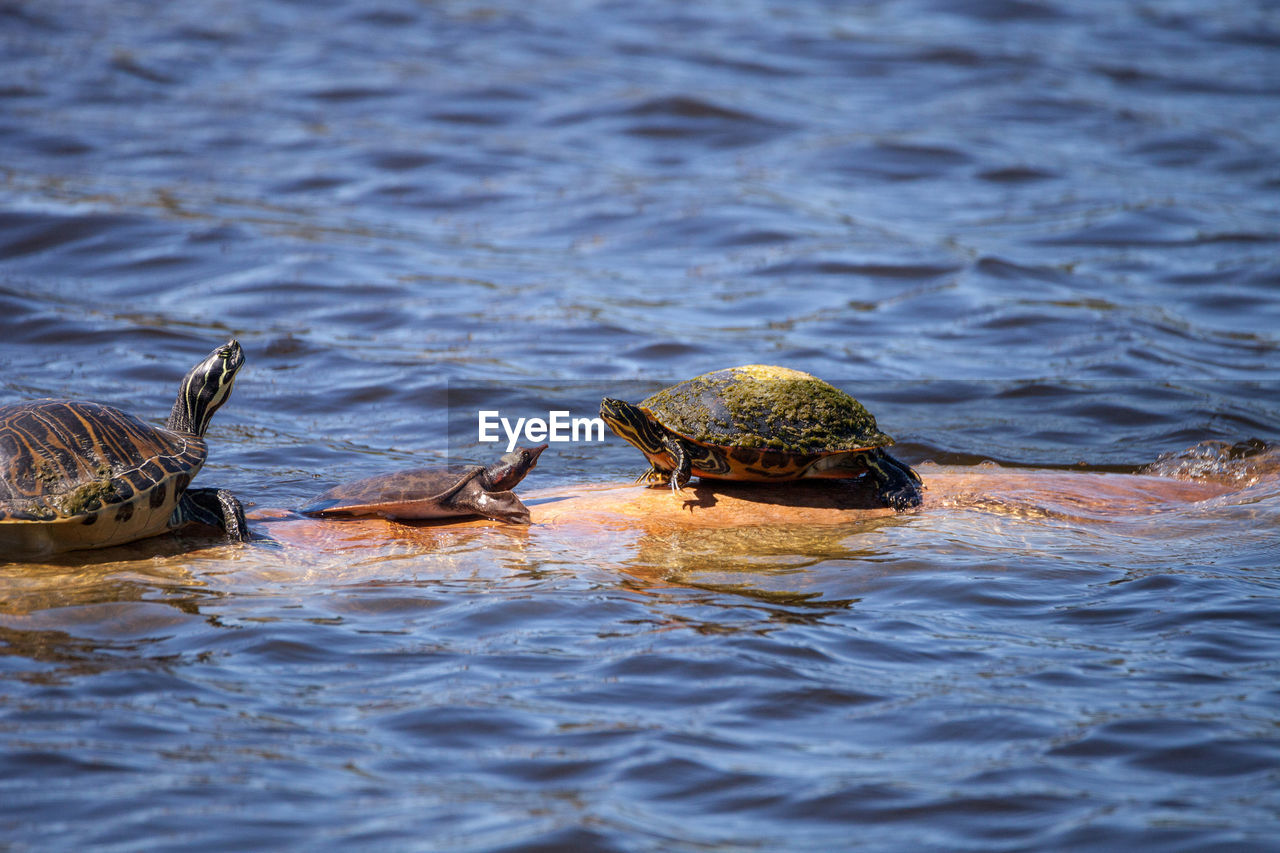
(499, 506)
(512, 518)
(904, 498)
(216, 508)
(899, 486)
(654, 476)
(233, 517)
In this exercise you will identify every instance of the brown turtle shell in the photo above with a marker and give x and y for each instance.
(407, 494)
(79, 472)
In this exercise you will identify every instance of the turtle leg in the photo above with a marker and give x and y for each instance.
(500, 506)
(896, 483)
(216, 508)
(653, 474)
(684, 464)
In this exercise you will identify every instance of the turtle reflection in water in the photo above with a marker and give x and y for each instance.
(435, 493)
(76, 475)
(760, 423)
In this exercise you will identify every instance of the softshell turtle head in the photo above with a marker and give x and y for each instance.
(511, 468)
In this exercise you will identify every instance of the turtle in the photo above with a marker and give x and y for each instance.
(434, 493)
(77, 475)
(761, 423)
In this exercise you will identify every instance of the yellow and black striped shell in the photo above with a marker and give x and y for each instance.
(82, 474)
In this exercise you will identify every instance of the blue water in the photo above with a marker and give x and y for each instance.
(1037, 233)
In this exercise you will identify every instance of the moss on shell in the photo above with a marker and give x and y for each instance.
(90, 496)
(764, 406)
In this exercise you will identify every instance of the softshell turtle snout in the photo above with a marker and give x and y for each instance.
(524, 457)
(512, 467)
(534, 453)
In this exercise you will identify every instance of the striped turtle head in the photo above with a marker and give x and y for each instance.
(205, 388)
(634, 424)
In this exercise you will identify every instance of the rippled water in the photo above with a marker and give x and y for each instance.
(1039, 233)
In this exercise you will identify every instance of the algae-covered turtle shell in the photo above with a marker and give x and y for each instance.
(764, 406)
(763, 423)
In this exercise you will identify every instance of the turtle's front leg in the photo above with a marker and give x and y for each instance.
(653, 474)
(216, 508)
(683, 469)
(897, 484)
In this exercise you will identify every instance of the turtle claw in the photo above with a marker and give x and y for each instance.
(655, 476)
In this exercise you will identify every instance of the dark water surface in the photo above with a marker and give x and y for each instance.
(1041, 233)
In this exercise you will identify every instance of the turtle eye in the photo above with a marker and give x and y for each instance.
(224, 353)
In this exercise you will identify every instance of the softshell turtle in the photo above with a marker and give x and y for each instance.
(760, 423)
(430, 493)
(77, 475)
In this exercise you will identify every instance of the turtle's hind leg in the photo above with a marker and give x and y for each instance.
(896, 483)
(216, 508)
